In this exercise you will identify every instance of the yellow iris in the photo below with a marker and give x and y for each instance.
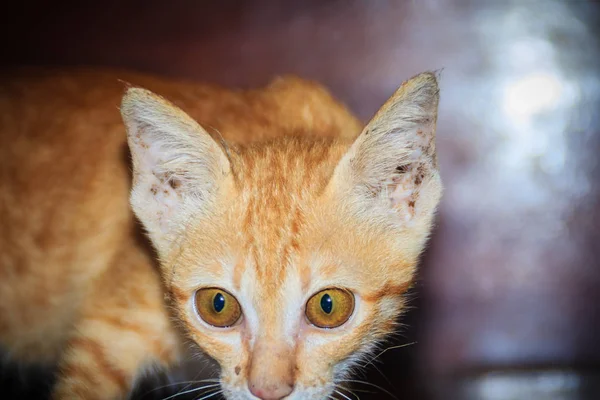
(217, 307)
(330, 308)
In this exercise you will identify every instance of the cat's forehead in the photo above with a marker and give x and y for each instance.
(278, 186)
(287, 167)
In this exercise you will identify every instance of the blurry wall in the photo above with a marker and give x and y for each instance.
(512, 275)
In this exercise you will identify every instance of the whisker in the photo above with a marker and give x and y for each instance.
(211, 395)
(389, 348)
(349, 391)
(190, 391)
(180, 383)
(364, 391)
(342, 394)
(201, 381)
(382, 374)
(371, 384)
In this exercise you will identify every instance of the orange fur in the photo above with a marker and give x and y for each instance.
(293, 201)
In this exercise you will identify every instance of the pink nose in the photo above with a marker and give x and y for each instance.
(272, 392)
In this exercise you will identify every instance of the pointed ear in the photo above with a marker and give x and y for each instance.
(393, 163)
(177, 166)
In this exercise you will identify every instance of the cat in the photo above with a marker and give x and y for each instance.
(284, 233)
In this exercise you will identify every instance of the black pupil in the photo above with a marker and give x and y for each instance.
(219, 302)
(327, 303)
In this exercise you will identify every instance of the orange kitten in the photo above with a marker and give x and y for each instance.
(284, 248)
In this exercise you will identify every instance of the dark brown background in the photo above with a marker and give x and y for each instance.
(511, 280)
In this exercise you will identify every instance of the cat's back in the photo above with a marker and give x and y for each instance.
(63, 155)
(63, 201)
(286, 105)
(63, 162)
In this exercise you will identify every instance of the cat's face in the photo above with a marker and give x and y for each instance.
(287, 261)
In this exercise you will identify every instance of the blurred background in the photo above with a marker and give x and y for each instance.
(508, 302)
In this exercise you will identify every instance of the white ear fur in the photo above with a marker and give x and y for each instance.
(393, 162)
(177, 166)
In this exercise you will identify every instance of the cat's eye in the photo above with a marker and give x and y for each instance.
(217, 307)
(330, 308)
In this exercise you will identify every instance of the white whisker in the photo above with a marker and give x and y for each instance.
(370, 384)
(347, 390)
(342, 394)
(191, 391)
(181, 383)
(389, 348)
(211, 395)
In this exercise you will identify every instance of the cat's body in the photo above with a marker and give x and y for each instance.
(257, 217)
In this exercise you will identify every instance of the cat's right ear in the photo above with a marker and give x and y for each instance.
(177, 166)
(392, 166)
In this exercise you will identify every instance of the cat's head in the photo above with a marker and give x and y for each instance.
(287, 260)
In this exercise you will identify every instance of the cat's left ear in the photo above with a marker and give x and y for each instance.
(178, 168)
(392, 165)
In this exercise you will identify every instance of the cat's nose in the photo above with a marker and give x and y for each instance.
(271, 369)
(271, 375)
(271, 392)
